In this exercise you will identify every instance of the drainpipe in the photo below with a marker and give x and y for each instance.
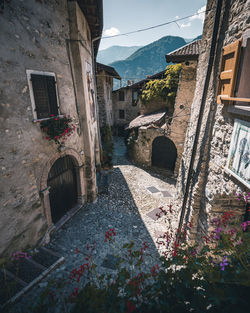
(202, 107)
(96, 106)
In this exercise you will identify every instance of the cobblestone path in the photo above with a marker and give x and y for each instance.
(133, 193)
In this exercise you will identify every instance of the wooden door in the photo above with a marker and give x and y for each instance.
(63, 187)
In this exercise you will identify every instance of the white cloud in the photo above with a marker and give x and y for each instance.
(113, 31)
(185, 25)
(200, 15)
(177, 16)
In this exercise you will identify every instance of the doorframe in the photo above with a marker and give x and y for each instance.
(80, 184)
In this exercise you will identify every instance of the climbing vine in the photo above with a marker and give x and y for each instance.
(165, 88)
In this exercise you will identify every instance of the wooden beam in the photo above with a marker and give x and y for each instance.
(224, 97)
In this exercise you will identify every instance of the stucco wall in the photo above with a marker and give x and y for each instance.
(104, 98)
(32, 37)
(131, 112)
(212, 188)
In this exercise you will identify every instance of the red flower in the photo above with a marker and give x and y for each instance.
(51, 115)
(130, 307)
(145, 246)
(77, 250)
(108, 236)
(47, 137)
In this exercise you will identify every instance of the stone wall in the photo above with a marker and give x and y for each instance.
(142, 148)
(183, 102)
(104, 98)
(175, 128)
(33, 36)
(211, 182)
(156, 105)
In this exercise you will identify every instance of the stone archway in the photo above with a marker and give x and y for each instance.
(164, 153)
(77, 163)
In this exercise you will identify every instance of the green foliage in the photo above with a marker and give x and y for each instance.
(165, 88)
(107, 146)
(212, 278)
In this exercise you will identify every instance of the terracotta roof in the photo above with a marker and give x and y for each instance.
(109, 69)
(190, 51)
(147, 119)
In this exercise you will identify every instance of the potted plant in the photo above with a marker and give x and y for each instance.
(57, 128)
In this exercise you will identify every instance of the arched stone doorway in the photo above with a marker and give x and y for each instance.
(164, 153)
(62, 182)
(77, 175)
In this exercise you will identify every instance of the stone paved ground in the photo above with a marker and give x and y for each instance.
(124, 208)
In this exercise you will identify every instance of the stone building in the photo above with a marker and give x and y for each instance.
(161, 134)
(126, 103)
(104, 77)
(215, 163)
(47, 54)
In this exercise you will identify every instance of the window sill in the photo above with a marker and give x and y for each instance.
(226, 98)
(47, 118)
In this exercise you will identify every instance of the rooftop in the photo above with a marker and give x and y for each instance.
(190, 51)
(147, 119)
(109, 69)
(140, 83)
(93, 11)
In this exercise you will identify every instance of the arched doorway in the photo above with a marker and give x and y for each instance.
(164, 153)
(63, 187)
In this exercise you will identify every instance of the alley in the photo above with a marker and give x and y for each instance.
(130, 207)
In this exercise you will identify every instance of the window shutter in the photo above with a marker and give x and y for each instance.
(44, 91)
(51, 87)
(229, 69)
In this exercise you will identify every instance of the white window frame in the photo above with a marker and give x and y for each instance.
(232, 147)
(33, 104)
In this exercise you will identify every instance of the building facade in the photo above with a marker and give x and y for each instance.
(127, 104)
(47, 55)
(104, 77)
(215, 163)
(161, 134)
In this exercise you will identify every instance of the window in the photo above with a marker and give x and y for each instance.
(122, 114)
(134, 97)
(43, 93)
(238, 162)
(121, 96)
(233, 55)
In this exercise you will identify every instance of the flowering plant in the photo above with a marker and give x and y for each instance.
(57, 128)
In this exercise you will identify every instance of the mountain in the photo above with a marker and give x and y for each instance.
(115, 53)
(148, 60)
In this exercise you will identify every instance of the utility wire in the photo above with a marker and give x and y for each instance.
(156, 26)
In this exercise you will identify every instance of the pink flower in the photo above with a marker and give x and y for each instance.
(245, 224)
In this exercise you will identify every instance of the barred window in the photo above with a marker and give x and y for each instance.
(43, 94)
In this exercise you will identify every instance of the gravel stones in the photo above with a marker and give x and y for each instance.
(123, 206)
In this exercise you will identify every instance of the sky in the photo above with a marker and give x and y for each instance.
(122, 16)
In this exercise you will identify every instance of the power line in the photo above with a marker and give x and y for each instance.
(156, 26)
